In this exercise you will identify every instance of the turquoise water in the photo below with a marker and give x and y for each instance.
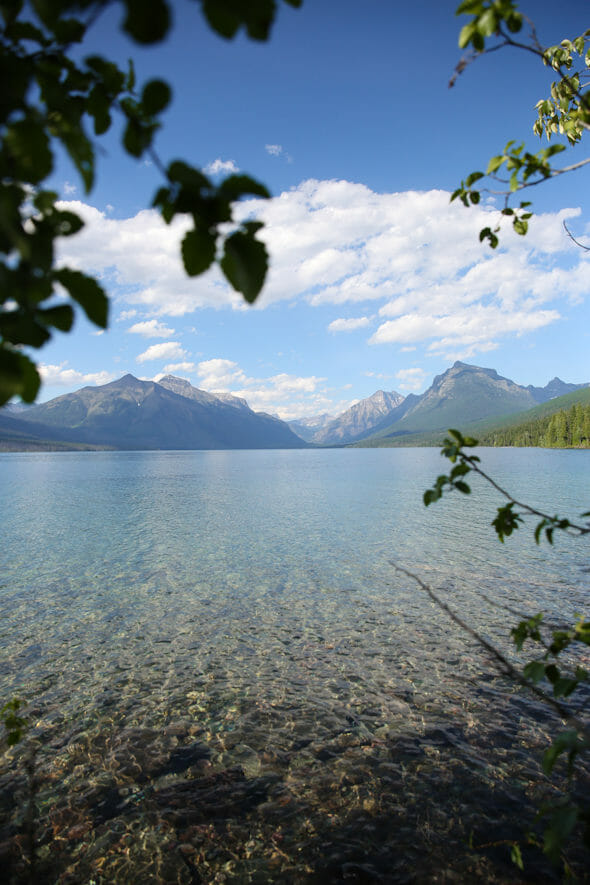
(232, 620)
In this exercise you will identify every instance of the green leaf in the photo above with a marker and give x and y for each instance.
(190, 178)
(472, 178)
(155, 96)
(244, 263)
(236, 186)
(61, 317)
(27, 144)
(514, 22)
(147, 22)
(198, 251)
(137, 137)
(67, 223)
(130, 78)
(69, 30)
(563, 687)
(87, 293)
(535, 671)
(469, 7)
(18, 31)
(563, 820)
(113, 80)
(99, 107)
(466, 34)
(226, 17)
(18, 376)
(495, 164)
(11, 9)
(506, 521)
(516, 856)
(487, 23)
(568, 741)
(81, 152)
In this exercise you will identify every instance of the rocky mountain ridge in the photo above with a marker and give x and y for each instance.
(172, 414)
(134, 414)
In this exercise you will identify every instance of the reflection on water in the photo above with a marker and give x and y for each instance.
(229, 683)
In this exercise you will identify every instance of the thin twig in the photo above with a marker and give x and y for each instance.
(572, 529)
(571, 236)
(501, 662)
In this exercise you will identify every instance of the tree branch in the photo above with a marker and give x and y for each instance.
(501, 662)
(571, 236)
(572, 529)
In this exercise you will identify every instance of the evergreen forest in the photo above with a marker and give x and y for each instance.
(568, 428)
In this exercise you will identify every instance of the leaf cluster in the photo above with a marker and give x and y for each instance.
(561, 815)
(49, 100)
(562, 679)
(453, 450)
(487, 18)
(509, 516)
(566, 111)
(13, 724)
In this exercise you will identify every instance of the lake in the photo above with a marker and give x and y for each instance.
(227, 680)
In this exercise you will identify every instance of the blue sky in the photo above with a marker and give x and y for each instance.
(376, 280)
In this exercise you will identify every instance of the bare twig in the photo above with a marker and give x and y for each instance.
(501, 662)
(571, 236)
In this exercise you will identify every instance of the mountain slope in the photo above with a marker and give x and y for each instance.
(555, 387)
(567, 426)
(360, 420)
(184, 388)
(134, 414)
(459, 396)
(306, 428)
(488, 431)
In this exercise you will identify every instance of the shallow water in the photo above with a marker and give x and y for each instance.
(228, 681)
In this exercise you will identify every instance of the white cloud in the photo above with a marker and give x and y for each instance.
(219, 165)
(288, 396)
(126, 315)
(473, 328)
(168, 350)
(350, 325)
(220, 374)
(414, 255)
(174, 368)
(140, 258)
(61, 376)
(151, 329)
(69, 188)
(277, 150)
(411, 379)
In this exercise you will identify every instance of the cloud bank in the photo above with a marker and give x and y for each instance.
(413, 258)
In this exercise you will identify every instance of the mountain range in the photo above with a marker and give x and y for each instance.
(134, 414)
(462, 395)
(172, 414)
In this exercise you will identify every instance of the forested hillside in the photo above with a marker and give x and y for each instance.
(564, 429)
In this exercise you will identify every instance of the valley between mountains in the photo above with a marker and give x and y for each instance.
(131, 414)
